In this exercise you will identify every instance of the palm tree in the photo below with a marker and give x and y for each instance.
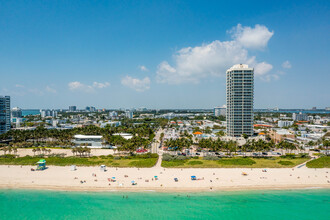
(15, 150)
(34, 151)
(5, 149)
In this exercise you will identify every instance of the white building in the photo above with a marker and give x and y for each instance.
(299, 117)
(54, 123)
(129, 114)
(16, 112)
(240, 86)
(92, 141)
(284, 123)
(48, 113)
(113, 114)
(111, 123)
(127, 136)
(220, 111)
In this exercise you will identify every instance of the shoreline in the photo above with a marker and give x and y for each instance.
(163, 190)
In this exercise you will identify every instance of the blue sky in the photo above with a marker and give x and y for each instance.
(162, 54)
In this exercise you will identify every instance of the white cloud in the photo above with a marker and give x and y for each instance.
(191, 64)
(50, 89)
(139, 85)
(253, 38)
(262, 68)
(286, 65)
(143, 68)
(76, 85)
(87, 88)
(19, 86)
(100, 85)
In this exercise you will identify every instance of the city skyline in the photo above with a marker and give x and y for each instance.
(162, 55)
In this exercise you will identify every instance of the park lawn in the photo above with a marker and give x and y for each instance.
(236, 162)
(322, 162)
(82, 161)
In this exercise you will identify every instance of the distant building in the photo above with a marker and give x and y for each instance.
(142, 109)
(219, 111)
(72, 108)
(90, 109)
(129, 114)
(54, 123)
(4, 114)
(240, 86)
(314, 108)
(327, 108)
(92, 141)
(113, 114)
(110, 123)
(299, 117)
(277, 135)
(126, 136)
(48, 113)
(282, 124)
(16, 112)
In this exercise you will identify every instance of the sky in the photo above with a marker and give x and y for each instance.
(162, 54)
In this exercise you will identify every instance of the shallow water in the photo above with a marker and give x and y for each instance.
(289, 204)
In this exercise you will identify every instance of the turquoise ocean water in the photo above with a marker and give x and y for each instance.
(26, 112)
(292, 204)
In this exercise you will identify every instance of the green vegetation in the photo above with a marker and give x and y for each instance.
(146, 160)
(195, 162)
(173, 163)
(322, 162)
(285, 162)
(236, 162)
(142, 131)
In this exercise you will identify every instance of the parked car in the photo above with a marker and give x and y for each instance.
(198, 154)
(265, 153)
(276, 153)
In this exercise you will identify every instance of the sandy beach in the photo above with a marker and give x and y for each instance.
(93, 179)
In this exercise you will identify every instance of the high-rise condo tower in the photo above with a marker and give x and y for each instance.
(4, 114)
(240, 86)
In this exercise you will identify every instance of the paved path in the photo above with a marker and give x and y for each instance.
(159, 161)
(304, 164)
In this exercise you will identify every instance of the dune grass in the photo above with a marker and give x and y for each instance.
(110, 161)
(322, 162)
(236, 162)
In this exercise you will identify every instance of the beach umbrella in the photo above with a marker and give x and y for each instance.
(113, 178)
(156, 176)
(133, 181)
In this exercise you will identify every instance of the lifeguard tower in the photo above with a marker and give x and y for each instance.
(41, 164)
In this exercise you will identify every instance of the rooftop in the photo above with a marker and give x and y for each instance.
(239, 67)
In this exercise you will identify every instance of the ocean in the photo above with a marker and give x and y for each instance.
(288, 204)
(26, 112)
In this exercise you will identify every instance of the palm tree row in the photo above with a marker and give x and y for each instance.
(82, 151)
(230, 146)
(55, 137)
(178, 144)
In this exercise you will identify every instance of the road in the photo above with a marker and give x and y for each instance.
(155, 144)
